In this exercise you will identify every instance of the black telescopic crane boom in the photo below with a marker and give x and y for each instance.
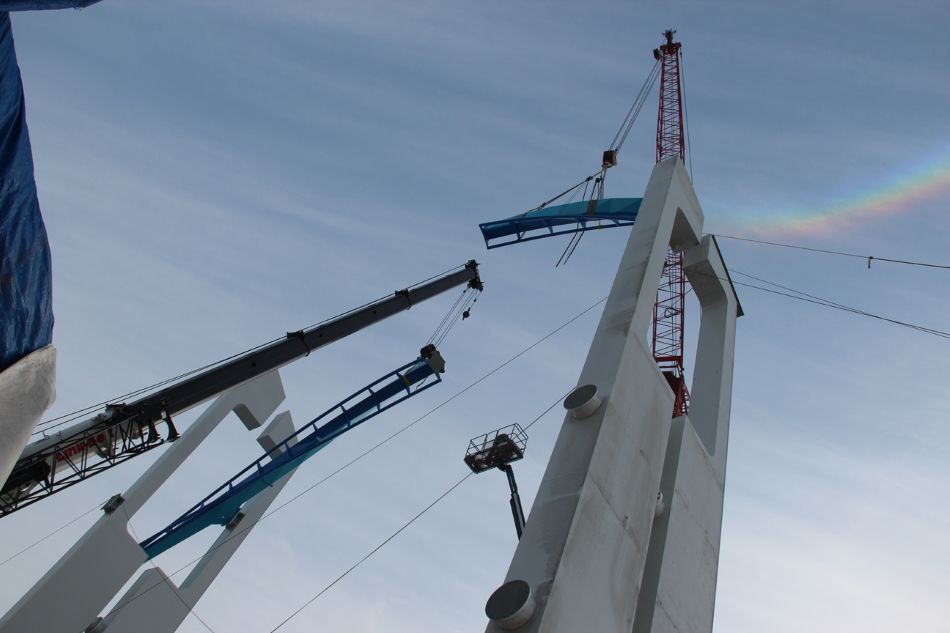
(128, 429)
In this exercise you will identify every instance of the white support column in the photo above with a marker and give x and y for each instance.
(80, 585)
(585, 544)
(166, 605)
(679, 584)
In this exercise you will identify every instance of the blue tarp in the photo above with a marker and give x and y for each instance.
(41, 5)
(26, 314)
(25, 277)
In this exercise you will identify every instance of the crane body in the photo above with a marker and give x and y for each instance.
(126, 430)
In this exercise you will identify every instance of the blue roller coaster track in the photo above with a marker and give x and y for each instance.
(562, 219)
(223, 505)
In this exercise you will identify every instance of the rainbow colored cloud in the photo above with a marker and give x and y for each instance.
(898, 195)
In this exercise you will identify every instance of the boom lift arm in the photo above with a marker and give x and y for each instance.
(126, 430)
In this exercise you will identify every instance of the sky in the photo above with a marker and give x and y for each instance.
(215, 174)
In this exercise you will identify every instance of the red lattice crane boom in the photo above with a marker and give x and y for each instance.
(671, 296)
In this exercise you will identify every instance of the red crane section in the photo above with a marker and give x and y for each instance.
(671, 296)
(669, 121)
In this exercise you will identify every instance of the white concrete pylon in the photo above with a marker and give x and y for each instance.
(155, 604)
(678, 589)
(70, 596)
(585, 548)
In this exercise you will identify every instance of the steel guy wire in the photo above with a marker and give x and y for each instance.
(190, 609)
(689, 144)
(635, 108)
(869, 258)
(385, 541)
(57, 530)
(469, 302)
(447, 316)
(809, 298)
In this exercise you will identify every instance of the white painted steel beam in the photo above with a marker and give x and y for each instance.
(155, 604)
(78, 587)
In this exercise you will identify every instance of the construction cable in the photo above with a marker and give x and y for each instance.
(371, 552)
(56, 531)
(635, 108)
(570, 248)
(596, 193)
(810, 298)
(869, 258)
(242, 527)
(189, 608)
(462, 313)
(685, 101)
(445, 319)
(616, 144)
(458, 310)
(402, 528)
(582, 183)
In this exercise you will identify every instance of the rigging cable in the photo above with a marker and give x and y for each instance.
(570, 248)
(634, 110)
(57, 530)
(188, 608)
(810, 298)
(615, 145)
(462, 312)
(566, 191)
(689, 143)
(448, 315)
(371, 552)
(405, 525)
(869, 258)
(619, 138)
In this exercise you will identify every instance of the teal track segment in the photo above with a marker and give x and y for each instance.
(223, 504)
(562, 219)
